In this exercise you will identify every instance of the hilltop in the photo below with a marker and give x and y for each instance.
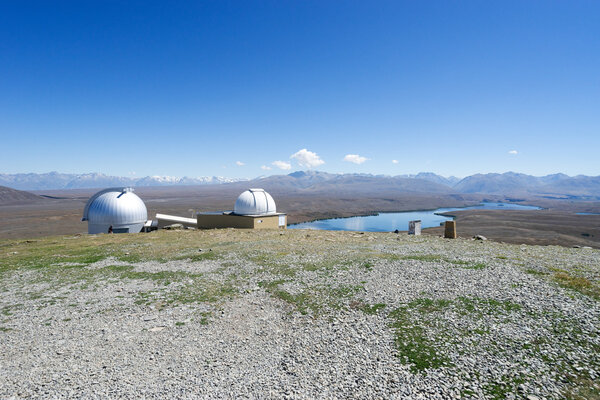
(297, 314)
(10, 196)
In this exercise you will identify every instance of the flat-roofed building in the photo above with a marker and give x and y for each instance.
(254, 209)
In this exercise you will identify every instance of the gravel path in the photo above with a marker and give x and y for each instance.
(304, 314)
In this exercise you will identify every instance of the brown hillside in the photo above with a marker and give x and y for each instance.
(10, 196)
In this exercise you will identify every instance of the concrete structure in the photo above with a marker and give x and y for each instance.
(231, 220)
(117, 210)
(166, 220)
(254, 209)
(150, 225)
(414, 227)
(450, 230)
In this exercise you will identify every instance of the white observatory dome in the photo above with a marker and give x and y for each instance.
(254, 202)
(116, 207)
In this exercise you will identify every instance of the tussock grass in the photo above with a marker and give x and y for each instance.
(582, 388)
(314, 300)
(425, 257)
(420, 331)
(207, 255)
(372, 309)
(87, 249)
(311, 276)
(578, 284)
(441, 259)
(533, 271)
(415, 346)
(570, 278)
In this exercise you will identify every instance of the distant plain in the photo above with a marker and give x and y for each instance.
(59, 211)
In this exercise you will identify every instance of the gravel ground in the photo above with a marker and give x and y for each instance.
(300, 314)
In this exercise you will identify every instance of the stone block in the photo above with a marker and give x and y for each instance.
(414, 227)
(450, 230)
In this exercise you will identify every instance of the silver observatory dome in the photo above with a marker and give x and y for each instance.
(255, 202)
(118, 208)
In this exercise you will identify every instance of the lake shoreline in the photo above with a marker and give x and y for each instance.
(427, 214)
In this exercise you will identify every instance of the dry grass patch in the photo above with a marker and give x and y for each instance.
(577, 283)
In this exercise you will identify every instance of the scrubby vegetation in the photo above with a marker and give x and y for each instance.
(501, 320)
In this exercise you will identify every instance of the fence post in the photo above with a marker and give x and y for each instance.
(450, 229)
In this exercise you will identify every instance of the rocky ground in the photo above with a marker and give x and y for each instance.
(296, 314)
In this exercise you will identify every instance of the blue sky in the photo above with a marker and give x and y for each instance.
(228, 88)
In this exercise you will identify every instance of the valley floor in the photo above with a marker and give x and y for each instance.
(537, 227)
(296, 314)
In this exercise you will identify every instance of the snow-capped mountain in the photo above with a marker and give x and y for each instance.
(56, 180)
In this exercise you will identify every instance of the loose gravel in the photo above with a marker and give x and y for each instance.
(304, 314)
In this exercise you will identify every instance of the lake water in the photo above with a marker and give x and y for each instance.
(389, 222)
(587, 213)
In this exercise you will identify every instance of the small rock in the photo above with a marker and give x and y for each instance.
(174, 227)
(149, 318)
(479, 237)
(157, 328)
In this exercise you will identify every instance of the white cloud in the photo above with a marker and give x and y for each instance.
(282, 165)
(265, 168)
(513, 152)
(239, 163)
(394, 161)
(355, 158)
(307, 159)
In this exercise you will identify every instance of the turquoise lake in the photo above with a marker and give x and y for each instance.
(388, 222)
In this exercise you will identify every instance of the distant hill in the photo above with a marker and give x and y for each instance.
(10, 196)
(316, 181)
(507, 184)
(577, 186)
(430, 176)
(522, 184)
(56, 180)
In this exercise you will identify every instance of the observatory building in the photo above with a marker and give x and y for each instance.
(116, 210)
(254, 209)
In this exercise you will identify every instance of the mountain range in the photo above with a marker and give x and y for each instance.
(509, 183)
(515, 183)
(316, 181)
(56, 180)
